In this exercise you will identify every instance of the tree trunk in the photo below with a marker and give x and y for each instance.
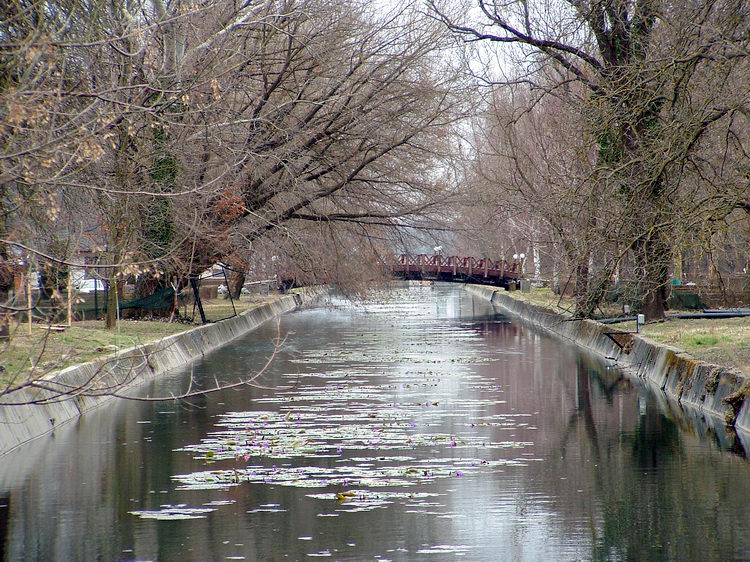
(236, 281)
(652, 260)
(677, 265)
(6, 275)
(653, 305)
(582, 286)
(537, 261)
(6, 285)
(112, 303)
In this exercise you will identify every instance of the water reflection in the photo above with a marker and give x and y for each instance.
(458, 433)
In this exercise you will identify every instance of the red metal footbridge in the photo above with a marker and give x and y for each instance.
(456, 268)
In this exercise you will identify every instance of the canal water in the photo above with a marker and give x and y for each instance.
(421, 425)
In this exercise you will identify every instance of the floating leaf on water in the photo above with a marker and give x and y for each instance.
(343, 496)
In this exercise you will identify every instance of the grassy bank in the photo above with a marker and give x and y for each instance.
(723, 341)
(44, 350)
(545, 298)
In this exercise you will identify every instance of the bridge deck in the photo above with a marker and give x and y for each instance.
(455, 268)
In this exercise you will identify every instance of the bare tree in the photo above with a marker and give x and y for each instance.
(163, 137)
(640, 71)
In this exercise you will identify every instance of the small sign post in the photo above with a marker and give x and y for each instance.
(640, 321)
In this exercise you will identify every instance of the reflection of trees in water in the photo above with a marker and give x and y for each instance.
(494, 326)
(627, 514)
(657, 502)
(4, 523)
(656, 438)
(608, 382)
(589, 375)
(649, 495)
(737, 447)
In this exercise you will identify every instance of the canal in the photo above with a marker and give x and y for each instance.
(421, 425)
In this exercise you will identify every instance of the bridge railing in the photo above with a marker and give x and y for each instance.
(464, 265)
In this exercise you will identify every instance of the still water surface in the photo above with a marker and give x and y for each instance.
(423, 426)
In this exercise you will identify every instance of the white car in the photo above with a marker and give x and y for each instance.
(91, 285)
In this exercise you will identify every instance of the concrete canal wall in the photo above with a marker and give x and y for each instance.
(713, 390)
(91, 384)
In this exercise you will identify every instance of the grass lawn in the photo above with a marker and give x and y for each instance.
(723, 341)
(219, 309)
(545, 298)
(44, 351)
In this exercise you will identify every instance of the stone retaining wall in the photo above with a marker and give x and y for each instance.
(21, 420)
(717, 391)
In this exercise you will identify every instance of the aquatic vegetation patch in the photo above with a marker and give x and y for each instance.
(444, 549)
(174, 512)
(372, 417)
(394, 356)
(220, 502)
(268, 508)
(368, 500)
(315, 431)
(363, 475)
